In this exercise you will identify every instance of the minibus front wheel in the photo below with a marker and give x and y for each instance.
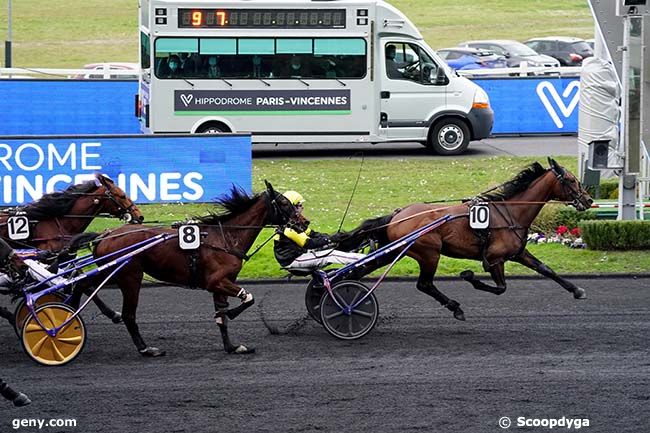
(449, 136)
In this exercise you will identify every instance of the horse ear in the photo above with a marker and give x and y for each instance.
(98, 180)
(269, 187)
(555, 166)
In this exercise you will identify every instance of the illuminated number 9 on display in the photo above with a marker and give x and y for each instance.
(189, 237)
(197, 18)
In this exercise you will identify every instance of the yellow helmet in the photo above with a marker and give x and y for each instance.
(294, 197)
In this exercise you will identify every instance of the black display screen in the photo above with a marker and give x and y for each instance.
(262, 18)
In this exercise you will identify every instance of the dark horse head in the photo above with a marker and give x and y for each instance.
(568, 187)
(279, 210)
(88, 198)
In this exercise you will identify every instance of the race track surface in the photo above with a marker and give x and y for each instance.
(533, 352)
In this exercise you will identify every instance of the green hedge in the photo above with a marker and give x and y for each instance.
(616, 235)
(606, 190)
(552, 216)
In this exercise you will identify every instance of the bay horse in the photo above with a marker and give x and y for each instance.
(512, 208)
(226, 238)
(56, 217)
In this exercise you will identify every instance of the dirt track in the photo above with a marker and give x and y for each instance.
(533, 352)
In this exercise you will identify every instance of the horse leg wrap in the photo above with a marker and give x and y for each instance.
(245, 296)
(220, 318)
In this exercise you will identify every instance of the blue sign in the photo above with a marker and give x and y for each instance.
(522, 105)
(149, 168)
(533, 105)
(46, 107)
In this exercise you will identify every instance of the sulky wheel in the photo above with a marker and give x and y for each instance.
(313, 295)
(349, 325)
(22, 312)
(53, 350)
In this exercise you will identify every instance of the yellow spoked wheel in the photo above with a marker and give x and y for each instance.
(53, 350)
(22, 312)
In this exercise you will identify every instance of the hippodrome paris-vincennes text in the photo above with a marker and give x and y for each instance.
(49, 161)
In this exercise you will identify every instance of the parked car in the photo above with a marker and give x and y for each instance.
(97, 71)
(514, 52)
(463, 59)
(591, 42)
(568, 51)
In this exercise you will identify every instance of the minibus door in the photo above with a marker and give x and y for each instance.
(409, 93)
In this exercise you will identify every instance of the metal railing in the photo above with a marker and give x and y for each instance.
(104, 72)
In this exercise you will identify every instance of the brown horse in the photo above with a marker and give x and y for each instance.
(225, 240)
(512, 208)
(56, 217)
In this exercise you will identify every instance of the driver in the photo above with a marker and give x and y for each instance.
(13, 269)
(299, 247)
(392, 68)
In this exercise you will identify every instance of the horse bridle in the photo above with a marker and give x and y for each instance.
(575, 194)
(276, 209)
(123, 212)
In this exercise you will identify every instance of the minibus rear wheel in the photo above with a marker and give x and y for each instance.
(449, 136)
(213, 128)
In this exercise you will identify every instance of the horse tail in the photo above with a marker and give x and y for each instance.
(371, 229)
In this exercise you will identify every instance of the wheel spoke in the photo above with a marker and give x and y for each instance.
(341, 300)
(333, 315)
(362, 313)
(57, 353)
(49, 313)
(70, 340)
(36, 349)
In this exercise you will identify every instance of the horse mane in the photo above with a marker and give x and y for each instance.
(235, 203)
(515, 185)
(56, 204)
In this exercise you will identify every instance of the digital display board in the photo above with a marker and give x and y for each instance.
(262, 18)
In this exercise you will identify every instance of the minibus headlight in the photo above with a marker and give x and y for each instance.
(481, 99)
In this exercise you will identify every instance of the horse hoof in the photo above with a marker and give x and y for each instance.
(580, 293)
(467, 275)
(459, 315)
(117, 318)
(242, 350)
(21, 400)
(152, 352)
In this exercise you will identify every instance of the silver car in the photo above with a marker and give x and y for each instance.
(515, 53)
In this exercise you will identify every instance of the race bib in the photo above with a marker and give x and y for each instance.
(18, 227)
(479, 216)
(189, 237)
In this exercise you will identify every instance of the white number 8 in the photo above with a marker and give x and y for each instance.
(189, 237)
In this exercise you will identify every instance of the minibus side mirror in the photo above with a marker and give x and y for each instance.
(438, 77)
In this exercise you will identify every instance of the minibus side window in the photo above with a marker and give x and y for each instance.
(254, 58)
(405, 61)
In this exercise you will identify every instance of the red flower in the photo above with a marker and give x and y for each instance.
(561, 230)
(576, 232)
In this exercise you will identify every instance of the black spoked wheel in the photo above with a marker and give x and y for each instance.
(344, 323)
(313, 295)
